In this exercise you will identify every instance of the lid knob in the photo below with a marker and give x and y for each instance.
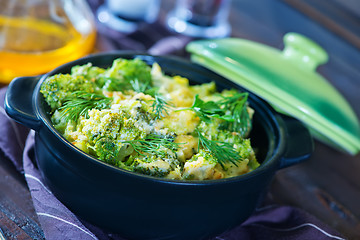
(303, 50)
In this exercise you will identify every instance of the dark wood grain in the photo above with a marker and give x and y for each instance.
(327, 186)
(18, 219)
(333, 16)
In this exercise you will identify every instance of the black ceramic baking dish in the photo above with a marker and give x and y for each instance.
(144, 207)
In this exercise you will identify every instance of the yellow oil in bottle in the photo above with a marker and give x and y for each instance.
(45, 46)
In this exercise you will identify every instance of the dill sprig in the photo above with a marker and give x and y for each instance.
(223, 152)
(231, 109)
(152, 143)
(205, 110)
(113, 84)
(140, 86)
(79, 103)
(237, 105)
(160, 106)
(118, 84)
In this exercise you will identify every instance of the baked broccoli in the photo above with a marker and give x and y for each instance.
(88, 71)
(241, 145)
(128, 74)
(162, 164)
(151, 165)
(201, 166)
(204, 166)
(134, 117)
(107, 150)
(57, 88)
(104, 132)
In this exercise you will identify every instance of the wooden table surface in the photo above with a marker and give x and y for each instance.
(328, 184)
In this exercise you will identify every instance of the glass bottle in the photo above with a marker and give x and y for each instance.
(200, 18)
(39, 35)
(127, 16)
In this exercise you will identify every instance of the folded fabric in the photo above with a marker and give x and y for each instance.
(58, 222)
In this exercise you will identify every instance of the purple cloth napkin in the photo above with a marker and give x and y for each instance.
(58, 222)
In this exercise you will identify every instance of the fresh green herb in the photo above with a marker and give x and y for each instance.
(118, 84)
(231, 109)
(236, 104)
(152, 91)
(205, 110)
(113, 84)
(160, 106)
(223, 152)
(127, 74)
(79, 103)
(153, 143)
(139, 86)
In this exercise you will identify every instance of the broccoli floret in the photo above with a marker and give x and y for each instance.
(214, 132)
(245, 150)
(153, 165)
(88, 71)
(128, 74)
(59, 122)
(205, 91)
(154, 157)
(201, 166)
(107, 150)
(242, 145)
(112, 152)
(57, 88)
(95, 74)
(105, 131)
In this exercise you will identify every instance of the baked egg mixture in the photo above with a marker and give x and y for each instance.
(135, 117)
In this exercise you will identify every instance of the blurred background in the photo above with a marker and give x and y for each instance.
(328, 185)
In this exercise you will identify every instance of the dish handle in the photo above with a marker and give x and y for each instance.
(299, 142)
(18, 101)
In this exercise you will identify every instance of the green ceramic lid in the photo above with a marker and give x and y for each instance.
(288, 80)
